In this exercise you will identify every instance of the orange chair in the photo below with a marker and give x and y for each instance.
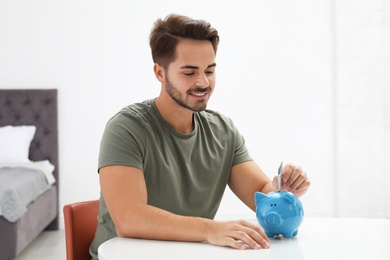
(80, 225)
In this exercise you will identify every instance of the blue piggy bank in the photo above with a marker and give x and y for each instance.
(279, 213)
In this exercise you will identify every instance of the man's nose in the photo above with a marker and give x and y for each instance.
(202, 81)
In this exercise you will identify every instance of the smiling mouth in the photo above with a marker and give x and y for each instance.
(199, 94)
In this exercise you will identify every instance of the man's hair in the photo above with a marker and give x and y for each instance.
(166, 34)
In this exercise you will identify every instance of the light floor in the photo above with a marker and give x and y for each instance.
(50, 245)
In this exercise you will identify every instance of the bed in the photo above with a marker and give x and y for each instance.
(36, 108)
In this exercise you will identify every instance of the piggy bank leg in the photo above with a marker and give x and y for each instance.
(269, 234)
(288, 235)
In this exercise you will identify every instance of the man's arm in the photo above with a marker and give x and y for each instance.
(124, 191)
(246, 178)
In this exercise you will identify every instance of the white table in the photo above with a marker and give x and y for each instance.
(318, 238)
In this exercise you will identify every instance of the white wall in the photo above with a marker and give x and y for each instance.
(362, 69)
(274, 78)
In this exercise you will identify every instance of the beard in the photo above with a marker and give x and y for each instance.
(178, 97)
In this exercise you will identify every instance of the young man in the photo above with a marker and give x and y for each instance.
(164, 164)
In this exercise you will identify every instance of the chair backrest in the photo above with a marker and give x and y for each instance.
(80, 225)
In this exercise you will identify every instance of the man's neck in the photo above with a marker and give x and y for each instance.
(178, 117)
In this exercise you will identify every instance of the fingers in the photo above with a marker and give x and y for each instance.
(240, 235)
(295, 180)
(254, 236)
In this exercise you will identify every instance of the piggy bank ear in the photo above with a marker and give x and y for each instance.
(289, 198)
(258, 197)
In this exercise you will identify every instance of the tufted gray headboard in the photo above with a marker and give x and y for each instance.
(34, 107)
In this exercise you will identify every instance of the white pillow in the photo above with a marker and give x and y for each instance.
(15, 143)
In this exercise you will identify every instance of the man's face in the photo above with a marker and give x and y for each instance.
(190, 79)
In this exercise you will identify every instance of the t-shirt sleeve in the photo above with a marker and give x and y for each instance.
(241, 153)
(121, 143)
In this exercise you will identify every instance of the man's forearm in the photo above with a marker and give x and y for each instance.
(153, 223)
(157, 224)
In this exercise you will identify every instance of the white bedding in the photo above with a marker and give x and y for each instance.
(13, 202)
(45, 166)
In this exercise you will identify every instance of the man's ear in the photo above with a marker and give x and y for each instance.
(159, 72)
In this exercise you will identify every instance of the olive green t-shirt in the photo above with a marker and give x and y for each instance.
(185, 174)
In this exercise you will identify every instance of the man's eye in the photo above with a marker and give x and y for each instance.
(210, 72)
(189, 73)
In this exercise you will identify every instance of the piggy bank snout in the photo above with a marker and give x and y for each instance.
(273, 219)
